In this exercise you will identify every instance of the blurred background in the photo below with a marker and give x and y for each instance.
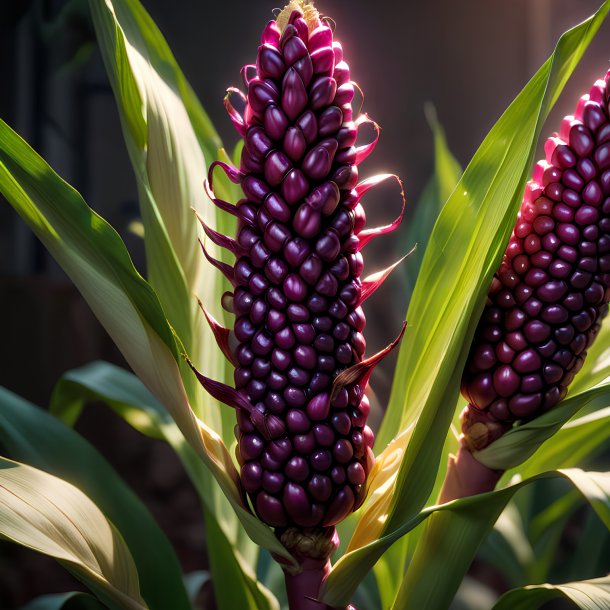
(468, 58)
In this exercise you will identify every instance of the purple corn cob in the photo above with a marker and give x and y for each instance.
(547, 300)
(303, 444)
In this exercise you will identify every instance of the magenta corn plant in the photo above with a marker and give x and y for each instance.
(301, 499)
(300, 373)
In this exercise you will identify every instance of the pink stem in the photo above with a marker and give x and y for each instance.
(312, 548)
(304, 587)
(466, 476)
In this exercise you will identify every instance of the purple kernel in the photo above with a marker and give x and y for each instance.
(563, 157)
(531, 384)
(321, 460)
(296, 251)
(305, 356)
(275, 124)
(341, 423)
(552, 373)
(341, 506)
(294, 143)
(294, 94)
(270, 63)
(572, 180)
(304, 443)
(316, 303)
(298, 313)
(295, 186)
(250, 447)
(536, 331)
(324, 343)
(261, 368)
(319, 383)
(251, 476)
(602, 156)
(296, 502)
(298, 377)
(270, 510)
(328, 246)
(311, 269)
(554, 314)
(297, 469)
(356, 474)
(322, 92)
(505, 381)
(524, 405)
(326, 363)
(580, 279)
(324, 435)
(318, 407)
(547, 349)
(532, 307)
(307, 221)
(564, 334)
(273, 481)
(560, 269)
(320, 487)
(318, 162)
(308, 125)
(343, 451)
(527, 361)
(295, 288)
(552, 291)
(327, 285)
(297, 421)
(323, 61)
(330, 121)
(295, 397)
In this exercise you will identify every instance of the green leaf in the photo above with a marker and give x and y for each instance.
(31, 435)
(95, 258)
(65, 601)
(450, 539)
(126, 395)
(586, 594)
(507, 547)
(521, 442)
(244, 590)
(447, 172)
(48, 515)
(170, 168)
(465, 249)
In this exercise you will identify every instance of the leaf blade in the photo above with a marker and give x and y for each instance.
(32, 436)
(48, 515)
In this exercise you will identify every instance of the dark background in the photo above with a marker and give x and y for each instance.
(468, 57)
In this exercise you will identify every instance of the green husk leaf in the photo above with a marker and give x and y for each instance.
(521, 442)
(170, 168)
(447, 172)
(126, 395)
(96, 260)
(49, 515)
(465, 249)
(591, 594)
(74, 600)
(29, 434)
(452, 540)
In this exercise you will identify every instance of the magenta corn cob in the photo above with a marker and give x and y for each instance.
(300, 372)
(548, 298)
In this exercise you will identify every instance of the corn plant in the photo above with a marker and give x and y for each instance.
(255, 342)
